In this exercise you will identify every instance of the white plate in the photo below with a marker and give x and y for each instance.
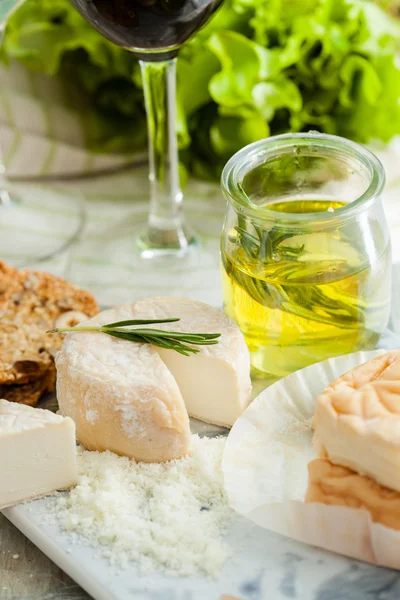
(265, 469)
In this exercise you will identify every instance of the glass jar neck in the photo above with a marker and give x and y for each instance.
(307, 166)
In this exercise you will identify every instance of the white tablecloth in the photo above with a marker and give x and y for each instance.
(116, 205)
(116, 208)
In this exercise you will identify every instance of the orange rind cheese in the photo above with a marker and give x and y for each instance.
(338, 486)
(357, 420)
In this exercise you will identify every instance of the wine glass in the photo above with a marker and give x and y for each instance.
(154, 31)
(32, 230)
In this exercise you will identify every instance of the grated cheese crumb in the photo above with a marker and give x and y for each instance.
(168, 516)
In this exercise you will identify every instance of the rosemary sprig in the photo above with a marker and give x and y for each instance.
(277, 286)
(129, 330)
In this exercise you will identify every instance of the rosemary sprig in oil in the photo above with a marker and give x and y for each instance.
(265, 248)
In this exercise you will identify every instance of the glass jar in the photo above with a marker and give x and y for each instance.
(306, 261)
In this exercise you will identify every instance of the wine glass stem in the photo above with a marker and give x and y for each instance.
(166, 230)
(5, 199)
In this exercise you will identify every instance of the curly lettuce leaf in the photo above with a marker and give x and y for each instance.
(328, 65)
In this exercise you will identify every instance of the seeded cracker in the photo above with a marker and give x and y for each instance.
(30, 304)
(30, 393)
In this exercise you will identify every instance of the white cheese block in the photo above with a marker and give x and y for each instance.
(38, 453)
(134, 399)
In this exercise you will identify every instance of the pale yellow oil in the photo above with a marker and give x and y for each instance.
(315, 296)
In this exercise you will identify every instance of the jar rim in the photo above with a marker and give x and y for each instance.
(255, 154)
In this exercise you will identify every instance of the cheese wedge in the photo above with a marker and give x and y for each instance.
(38, 453)
(338, 486)
(357, 420)
(134, 399)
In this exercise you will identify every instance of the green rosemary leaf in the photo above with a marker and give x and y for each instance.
(289, 251)
(248, 242)
(130, 337)
(140, 322)
(312, 304)
(270, 241)
(265, 245)
(193, 338)
(257, 289)
(168, 345)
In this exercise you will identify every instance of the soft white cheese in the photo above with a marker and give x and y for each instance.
(134, 399)
(38, 453)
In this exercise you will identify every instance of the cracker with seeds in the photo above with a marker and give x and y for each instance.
(30, 393)
(31, 303)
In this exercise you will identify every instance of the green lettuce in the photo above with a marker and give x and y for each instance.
(260, 67)
(51, 37)
(327, 65)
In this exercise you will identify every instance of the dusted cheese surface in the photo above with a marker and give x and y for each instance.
(335, 485)
(357, 420)
(134, 399)
(38, 453)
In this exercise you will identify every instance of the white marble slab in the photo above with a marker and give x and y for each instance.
(264, 566)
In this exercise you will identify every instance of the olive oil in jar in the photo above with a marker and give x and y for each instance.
(301, 295)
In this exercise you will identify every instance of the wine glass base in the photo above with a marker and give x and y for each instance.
(154, 245)
(113, 264)
(36, 229)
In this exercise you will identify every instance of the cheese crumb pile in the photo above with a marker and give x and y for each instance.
(168, 516)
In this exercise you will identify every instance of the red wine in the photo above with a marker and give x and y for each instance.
(151, 29)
